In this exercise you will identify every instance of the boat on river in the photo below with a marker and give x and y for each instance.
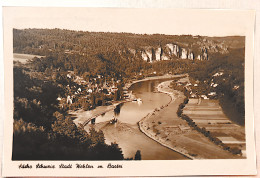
(137, 100)
(112, 121)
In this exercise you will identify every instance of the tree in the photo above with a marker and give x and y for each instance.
(117, 95)
(93, 100)
(138, 155)
(64, 126)
(97, 137)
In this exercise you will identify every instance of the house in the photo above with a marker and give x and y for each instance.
(204, 97)
(215, 85)
(113, 89)
(69, 99)
(218, 74)
(193, 95)
(212, 94)
(236, 87)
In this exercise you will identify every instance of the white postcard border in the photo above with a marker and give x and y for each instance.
(134, 168)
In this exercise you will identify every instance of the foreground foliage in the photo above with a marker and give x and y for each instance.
(41, 132)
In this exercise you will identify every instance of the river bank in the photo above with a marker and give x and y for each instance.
(159, 129)
(82, 117)
(130, 139)
(164, 126)
(126, 132)
(167, 76)
(144, 124)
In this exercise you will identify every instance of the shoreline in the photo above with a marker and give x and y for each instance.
(143, 120)
(95, 113)
(166, 128)
(167, 76)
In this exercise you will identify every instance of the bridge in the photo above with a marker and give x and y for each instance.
(93, 118)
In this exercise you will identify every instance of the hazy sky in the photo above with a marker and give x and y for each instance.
(165, 21)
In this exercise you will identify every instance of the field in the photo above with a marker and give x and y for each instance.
(165, 127)
(208, 114)
(23, 58)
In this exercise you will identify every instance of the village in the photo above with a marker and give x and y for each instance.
(88, 94)
(203, 112)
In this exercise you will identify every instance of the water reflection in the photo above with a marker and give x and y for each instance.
(133, 112)
(146, 86)
(117, 109)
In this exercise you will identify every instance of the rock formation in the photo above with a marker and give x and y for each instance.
(144, 56)
(170, 48)
(199, 57)
(184, 53)
(171, 51)
(147, 55)
(176, 50)
(165, 57)
(191, 55)
(158, 53)
(204, 53)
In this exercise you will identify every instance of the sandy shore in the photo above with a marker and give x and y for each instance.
(144, 123)
(164, 126)
(130, 139)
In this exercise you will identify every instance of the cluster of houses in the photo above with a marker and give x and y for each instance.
(195, 88)
(194, 91)
(83, 88)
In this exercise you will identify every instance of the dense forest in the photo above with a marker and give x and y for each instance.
(112, 54)
(43, 129)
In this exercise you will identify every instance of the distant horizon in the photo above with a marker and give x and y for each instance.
(212, 23)
(126, 32)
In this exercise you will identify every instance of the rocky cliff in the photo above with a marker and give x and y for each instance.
(185, 47)
(170, 51)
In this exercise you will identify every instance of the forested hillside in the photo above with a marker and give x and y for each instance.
(116, 54)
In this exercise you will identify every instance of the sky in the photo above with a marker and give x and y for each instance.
(149, 21)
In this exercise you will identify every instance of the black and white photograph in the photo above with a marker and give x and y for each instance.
(127, 86)
(113, 96)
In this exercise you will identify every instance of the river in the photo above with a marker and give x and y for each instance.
(126, 132)
(133, 112)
